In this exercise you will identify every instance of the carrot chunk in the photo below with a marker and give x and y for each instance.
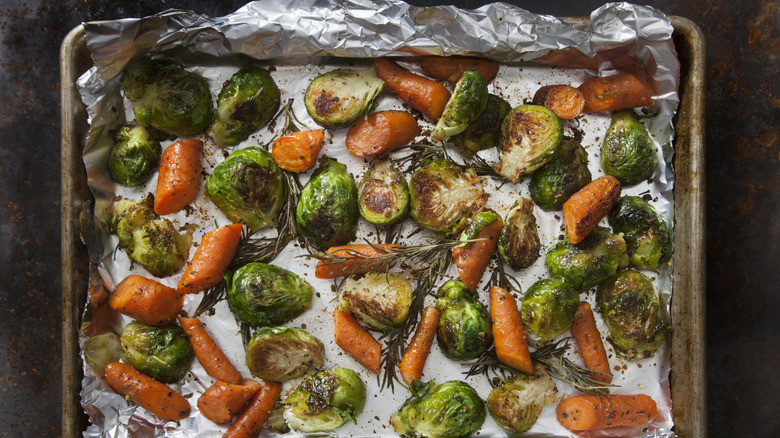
(210, 356)
(565, 101)
(298, 151)
(508, 332)
(589, 412)
(381, 132)
(146, 300)
(357, 260)
(252, 419)
(150, 394)
(416, 354)
(211, 259)
(426, 96)
(223, 400)
(621, 91)
(357, 341)
(472, 260)
(583, 211)
(589, 342)
(179, 177)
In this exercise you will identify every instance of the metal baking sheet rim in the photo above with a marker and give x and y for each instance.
(688, 311)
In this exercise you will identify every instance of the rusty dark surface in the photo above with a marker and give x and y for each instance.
(743, 203)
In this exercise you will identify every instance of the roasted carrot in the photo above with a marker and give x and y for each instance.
(357, 260)
(356, 340)
(473, 258)
(591, 347)
(252, 419)
(150, 394)
(381, 132)
(588, 412)
(146, 300)
(621, 91)
(179, 177)
(211, 259)
(583, 211)
(565, 101)
(451, 68)
(425, 95)
(210, 356)
(223, 400)
(508, 331)
(298, 151)
(416, 354)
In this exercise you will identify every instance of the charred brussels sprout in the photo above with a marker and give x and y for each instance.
(163, 353)
(589, 262)
(383, 194)
(246, 103)
(628, 153)
(449, 410)
(444, 195)
(553, 183)
(168, 97)
(260, 294)
(134, 157)
(530, 138)
(648, 237)
(248, 187)
(517, 403)
(327, 211)
(283, 353)
(339, 97)
(629, 305)
(518, 244)
(485, 131)
(465, 330)
(326, 400)
(379, 300)
(466, 104)
(547, 310)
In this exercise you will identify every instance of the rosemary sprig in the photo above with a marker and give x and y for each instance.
(420, 153)
(483, 168)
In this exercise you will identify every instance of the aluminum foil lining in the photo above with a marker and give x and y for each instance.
(534, 50)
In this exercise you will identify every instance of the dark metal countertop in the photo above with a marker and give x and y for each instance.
(743, 181)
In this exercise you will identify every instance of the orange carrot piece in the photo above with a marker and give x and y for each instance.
(211, 259)
(298, 151)
(252, 419)
(426, 96)
(146, 300)
(583, 211)
(223, 400)
(357, 341)
(621, 91)
(179, 177)
(565, 101)
(210, 356)
(353, 265)
(589, 342)
(472, 260)
(508, 331)
(150, 394)
(589, 412)
(416, 354)
(451, 68)
(381, 132)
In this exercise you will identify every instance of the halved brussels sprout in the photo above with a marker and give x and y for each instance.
(589, 262)
(339, 97)
(517, 403)
(465, 330)
(383, 194)
(629, 305)
(555, 182)
(444, 195)
(163, 353)
(248, 187)
(327, 211)
(448, 410)
(325, 401)
(379, 300)
(466, 104)
(246, 103)
(276, 422)
(518, 244)
(628, 153)
(134, 156)
(260, 294)
(649, 238)
(530, 138)
(283, 353)
(548, 310)
(485, 131)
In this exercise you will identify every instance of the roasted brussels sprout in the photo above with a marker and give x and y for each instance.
(283, 353)
(246, 103)
(275, 422)
(248, 187)
(100, 350)
(648, 237)
(530, 138)
(444, 195)
(517, 403)
(628, 153)
(134, 156)
(448, 410)
(465, 330)
(553, 183)
(339, 97)
(589, 262)
(260, 294)
(485, 131)
(325, 401)
(547, 310)
(466, 104)
(168, 97)
(163, 353)
(629, 305)
(518, 244)
(379, 300)
(383, 194)
(327, 211)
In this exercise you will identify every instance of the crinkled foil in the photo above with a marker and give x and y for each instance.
(534, 49)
